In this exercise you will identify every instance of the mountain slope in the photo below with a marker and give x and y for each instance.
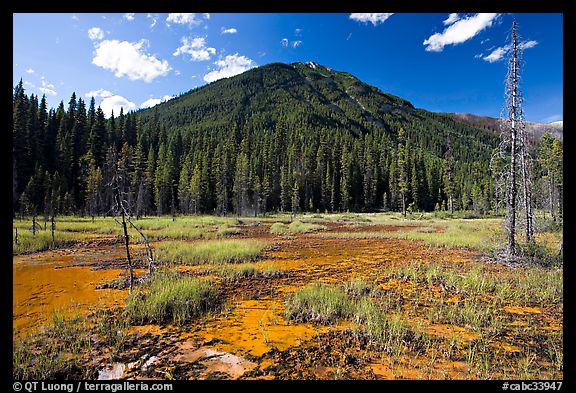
(281, 137)
(535, 130)
(319, 98)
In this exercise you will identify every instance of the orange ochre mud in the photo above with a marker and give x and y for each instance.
(251, 339)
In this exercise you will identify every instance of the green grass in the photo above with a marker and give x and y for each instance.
(226, 230)
(212, 251)
(43, 241)
(171, 298)
(472, 314)
(482, 233)
(318, 303)
(180, 233)
(533, 285)
(359, 287)
(239, 271)
(354, 301)
(55, 352)
(295, 227)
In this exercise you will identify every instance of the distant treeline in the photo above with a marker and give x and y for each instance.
(64, 160)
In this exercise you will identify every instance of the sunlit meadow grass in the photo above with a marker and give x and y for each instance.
(42, 240)
(212, 251)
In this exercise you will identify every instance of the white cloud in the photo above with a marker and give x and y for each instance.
(154, 19)
(95, 33)
(74, 17)
(185, 19)
(196, 48)
(230, 66)
(459, 32)
(296, 44)
(230, 30)
(155, 101)
(129, 16)
(451, 19)
(98, 93)
(528, 44)
(498, 53)
(47, 88)
(375, 19)
(114, 103)
(284, 42)
(29, 71)
(297, 32)
(127, 59)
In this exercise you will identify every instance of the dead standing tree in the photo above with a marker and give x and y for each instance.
(513, 150)
(121, 208)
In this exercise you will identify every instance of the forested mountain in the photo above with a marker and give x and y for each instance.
(285, 137)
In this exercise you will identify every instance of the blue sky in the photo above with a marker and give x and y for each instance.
(440, 62)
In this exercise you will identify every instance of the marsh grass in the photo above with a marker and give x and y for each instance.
(233, 272)
(239, 271)
(112, 330)
(172, 298)
(295, 227)
(359, 287)
(358, 302)
(226, 230)
(55, 352)
(180, 233)
(318, 303)
(471, 314)
(212, 251)
(42, 241)
(533, 285)
(72, 229)
(479, 233)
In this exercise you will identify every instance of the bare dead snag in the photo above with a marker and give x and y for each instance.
(149, 251)
(53, 228)
(127, 244)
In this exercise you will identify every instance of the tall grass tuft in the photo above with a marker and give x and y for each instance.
(55, 352)
(213, 251)
(318, 303)
(172, 298)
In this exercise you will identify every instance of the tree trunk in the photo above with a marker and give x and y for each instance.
(513, 135)
(127, 243)
(53, 228)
